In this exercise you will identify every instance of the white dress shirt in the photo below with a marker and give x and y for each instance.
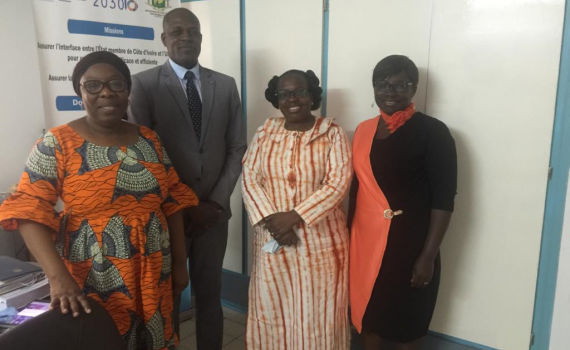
(181, 72)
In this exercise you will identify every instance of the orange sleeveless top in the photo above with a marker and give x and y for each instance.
(370, 226)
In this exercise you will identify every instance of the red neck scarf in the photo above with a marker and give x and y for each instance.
(394, 121)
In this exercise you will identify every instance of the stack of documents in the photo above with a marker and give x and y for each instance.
(20, 283)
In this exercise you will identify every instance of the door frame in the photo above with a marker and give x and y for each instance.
(555, 202)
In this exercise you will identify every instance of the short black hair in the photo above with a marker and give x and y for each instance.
(312, 85)
(178, 11)
(393, 65)
(99, 57)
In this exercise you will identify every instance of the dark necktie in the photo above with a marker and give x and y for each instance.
(194, 103)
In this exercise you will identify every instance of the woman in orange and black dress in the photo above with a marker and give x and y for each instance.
(120, 237)
(401, 203)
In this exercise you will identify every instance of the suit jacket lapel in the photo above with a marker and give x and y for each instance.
(173, 83)
(208, 87)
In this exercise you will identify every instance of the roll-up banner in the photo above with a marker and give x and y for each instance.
(67, 30)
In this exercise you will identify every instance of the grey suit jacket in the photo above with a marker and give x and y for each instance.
(212, 165)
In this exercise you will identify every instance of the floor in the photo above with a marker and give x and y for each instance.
(234, 332)
(430, 343)
(434, 343)
(234, 335)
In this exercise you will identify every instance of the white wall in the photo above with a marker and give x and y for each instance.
(363, 32)
(273, 46)
(493, 80)
(491, 71)
(21, 115)
(560, 337)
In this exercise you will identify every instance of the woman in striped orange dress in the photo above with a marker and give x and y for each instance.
(296, 172)
(120, 238)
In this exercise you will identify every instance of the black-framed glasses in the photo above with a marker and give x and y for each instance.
(299, 93)
(399, 86)
(96, 86)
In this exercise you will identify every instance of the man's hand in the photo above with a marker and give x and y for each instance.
(205, 215)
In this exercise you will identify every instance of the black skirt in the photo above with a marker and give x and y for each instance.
(399, 313)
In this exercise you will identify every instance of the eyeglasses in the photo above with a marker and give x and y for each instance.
(399, 86)
(96, 86)
(299, 93)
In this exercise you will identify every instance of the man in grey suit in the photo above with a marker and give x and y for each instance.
(197, 114)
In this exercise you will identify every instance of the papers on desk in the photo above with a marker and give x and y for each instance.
(11, 269)
(23, 296)
(20, 283)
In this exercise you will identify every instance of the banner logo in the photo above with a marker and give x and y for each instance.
(158, 4)
(132, 5)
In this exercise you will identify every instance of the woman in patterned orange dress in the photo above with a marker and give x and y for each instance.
(295, 174)
(119, 239)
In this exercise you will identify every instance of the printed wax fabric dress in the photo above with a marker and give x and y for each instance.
(112, 234)
(298, 297)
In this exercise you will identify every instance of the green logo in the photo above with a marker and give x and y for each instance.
(159, 4)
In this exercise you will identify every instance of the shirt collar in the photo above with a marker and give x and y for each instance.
(181, 71)
(276, 127)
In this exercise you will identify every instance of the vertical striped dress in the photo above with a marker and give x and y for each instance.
(298, 297)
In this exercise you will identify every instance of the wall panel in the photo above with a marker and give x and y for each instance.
(280, 35)
(493, 77)
(560, 338)
(361, 34)
(22, 117)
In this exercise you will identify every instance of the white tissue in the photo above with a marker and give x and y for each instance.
(271, 247)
